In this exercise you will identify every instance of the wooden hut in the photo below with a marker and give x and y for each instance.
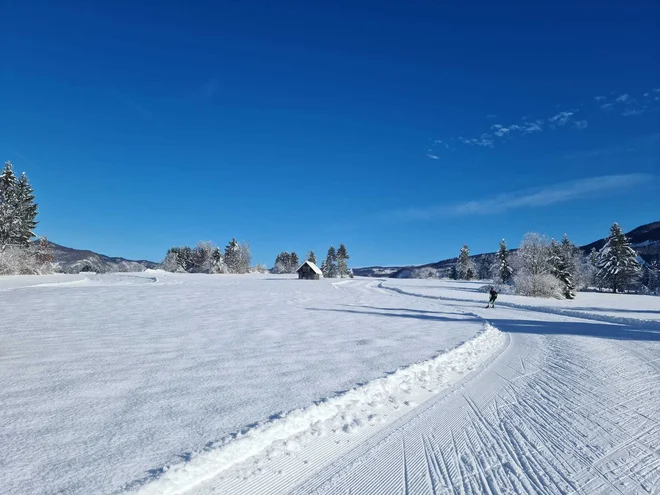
(309, 271)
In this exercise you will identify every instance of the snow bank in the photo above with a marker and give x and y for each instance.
(377, 401)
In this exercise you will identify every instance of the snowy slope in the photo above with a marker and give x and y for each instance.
(109, 378)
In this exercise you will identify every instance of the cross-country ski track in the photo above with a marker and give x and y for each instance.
(542, 401)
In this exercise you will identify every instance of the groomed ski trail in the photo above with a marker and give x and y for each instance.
(571, 406)
(276, 456)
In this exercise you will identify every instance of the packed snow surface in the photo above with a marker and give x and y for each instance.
(108, 378)
(161, 383)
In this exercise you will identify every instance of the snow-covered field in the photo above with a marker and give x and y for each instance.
(162, 383)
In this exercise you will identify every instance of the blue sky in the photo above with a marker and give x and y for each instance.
(403, 129)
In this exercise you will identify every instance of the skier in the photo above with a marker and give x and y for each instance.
(493, 296)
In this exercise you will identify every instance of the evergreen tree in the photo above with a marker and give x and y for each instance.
(26, 212)
(560, 261)
(329, 267)
(8, 214)
(504, 270)
(217, 262)
(342, 260)
(294, 263)
(465, 269)
(233, 256)
(311, 257)
(652, 277)
(617, 262)
(484, 266)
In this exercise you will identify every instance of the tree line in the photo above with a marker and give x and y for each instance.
(547, 268)
(18, 220)
(334, 265)
(206, 257)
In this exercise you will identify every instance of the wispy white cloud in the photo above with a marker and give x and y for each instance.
(529, 127)
(532, 198)
(561, 118)
(485, 140)
(433, 157)
(629, 112)
(615, 104)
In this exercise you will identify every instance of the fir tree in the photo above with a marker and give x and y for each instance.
(342, 261)
(329, 267)
(233, 256)
(294, 263)
(311, 257)
(8, 201)
(652, 277)
(560, 261)
(617, 262)
(465, 269)
(484, 266)
(504, 270)
(26, 212)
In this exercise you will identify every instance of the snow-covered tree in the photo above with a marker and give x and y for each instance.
(618, 268)
(260, 268)
(465, 269)
(563, 266)
(329, 266)
(206, 258)
(282, 262)
(533, 268)
(171, 262)
(484, 266)
(311, 257)
(217, 261)
(503, 270)
(294, 263)
(651, 278)
(592, 268)
(232, 256)
(342, 261)
(244, 258)
(286, 262)
(8, 200)
(26, 212)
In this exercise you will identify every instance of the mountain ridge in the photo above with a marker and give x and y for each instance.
(73, 260)
(645, 239)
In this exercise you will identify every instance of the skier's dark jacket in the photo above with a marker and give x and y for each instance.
(493, 294)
